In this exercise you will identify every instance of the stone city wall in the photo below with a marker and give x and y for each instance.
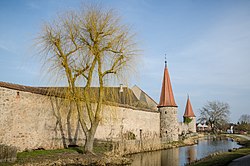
(192, 125)
(183, 128)
(32, 121)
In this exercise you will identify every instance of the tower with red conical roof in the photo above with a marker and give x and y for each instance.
(189, 117)
(168, 110)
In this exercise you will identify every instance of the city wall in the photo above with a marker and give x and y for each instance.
(32, 121)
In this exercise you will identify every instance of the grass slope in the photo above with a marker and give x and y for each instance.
(225, 158)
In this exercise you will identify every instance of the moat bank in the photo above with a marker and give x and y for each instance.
(177, 150)
(73, 156)
(227, 157)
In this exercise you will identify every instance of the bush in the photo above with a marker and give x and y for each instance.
(129, 135)
(187, 120)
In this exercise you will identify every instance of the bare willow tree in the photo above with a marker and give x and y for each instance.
(88, 48)
(214, 113)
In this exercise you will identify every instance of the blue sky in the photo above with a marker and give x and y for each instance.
(207, 45)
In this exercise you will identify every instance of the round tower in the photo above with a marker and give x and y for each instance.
(168, 110)
(189, 117)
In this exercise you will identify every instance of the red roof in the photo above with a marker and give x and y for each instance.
(189, 110)
(167, 96)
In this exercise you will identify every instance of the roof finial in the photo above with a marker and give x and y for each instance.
(165, 61)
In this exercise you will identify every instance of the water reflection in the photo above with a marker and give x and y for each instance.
(182, 155)
(147, 159)
(170, 157)
(191, 154)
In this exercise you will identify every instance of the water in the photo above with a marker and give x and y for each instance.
(182, 155)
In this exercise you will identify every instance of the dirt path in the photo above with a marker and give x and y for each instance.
(243, 136)
(242, 161)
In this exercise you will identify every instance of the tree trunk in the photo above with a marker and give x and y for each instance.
(90, 135)
(88, 147)
(213, 128)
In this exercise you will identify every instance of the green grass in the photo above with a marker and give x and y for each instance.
(29, 156)
(22, 157)
(25, 157)
(224, 158)
(98, 148)
(40, 153)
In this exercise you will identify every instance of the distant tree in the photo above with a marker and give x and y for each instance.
(215, 114)
(243, 123)
(245, 118)
(243, 126)
(88, 48)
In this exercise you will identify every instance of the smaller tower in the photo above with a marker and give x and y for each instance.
(168, 110)
(189, 117)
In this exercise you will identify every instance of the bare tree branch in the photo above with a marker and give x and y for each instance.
(85, 47)
(214, 113)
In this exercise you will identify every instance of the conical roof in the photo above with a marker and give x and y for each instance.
(189, 110)
(167, 96)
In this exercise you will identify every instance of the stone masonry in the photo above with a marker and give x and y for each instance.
(192, 125)
(27, 121)
(169, 124)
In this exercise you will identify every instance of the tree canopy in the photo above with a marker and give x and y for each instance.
(245, 118)
(243, 123)
(87, 48)
(215, 113)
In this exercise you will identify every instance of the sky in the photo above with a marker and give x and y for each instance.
(207, 45)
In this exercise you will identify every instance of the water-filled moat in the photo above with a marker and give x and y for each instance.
(180, 156)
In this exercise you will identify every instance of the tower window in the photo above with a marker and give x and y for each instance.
(165, 112)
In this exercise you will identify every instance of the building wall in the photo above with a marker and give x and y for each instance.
(28, 121)
(122, 120)
(183, 128)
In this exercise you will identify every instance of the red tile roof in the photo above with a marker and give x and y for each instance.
(189, 110)
(167, 96)
(112, 94)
